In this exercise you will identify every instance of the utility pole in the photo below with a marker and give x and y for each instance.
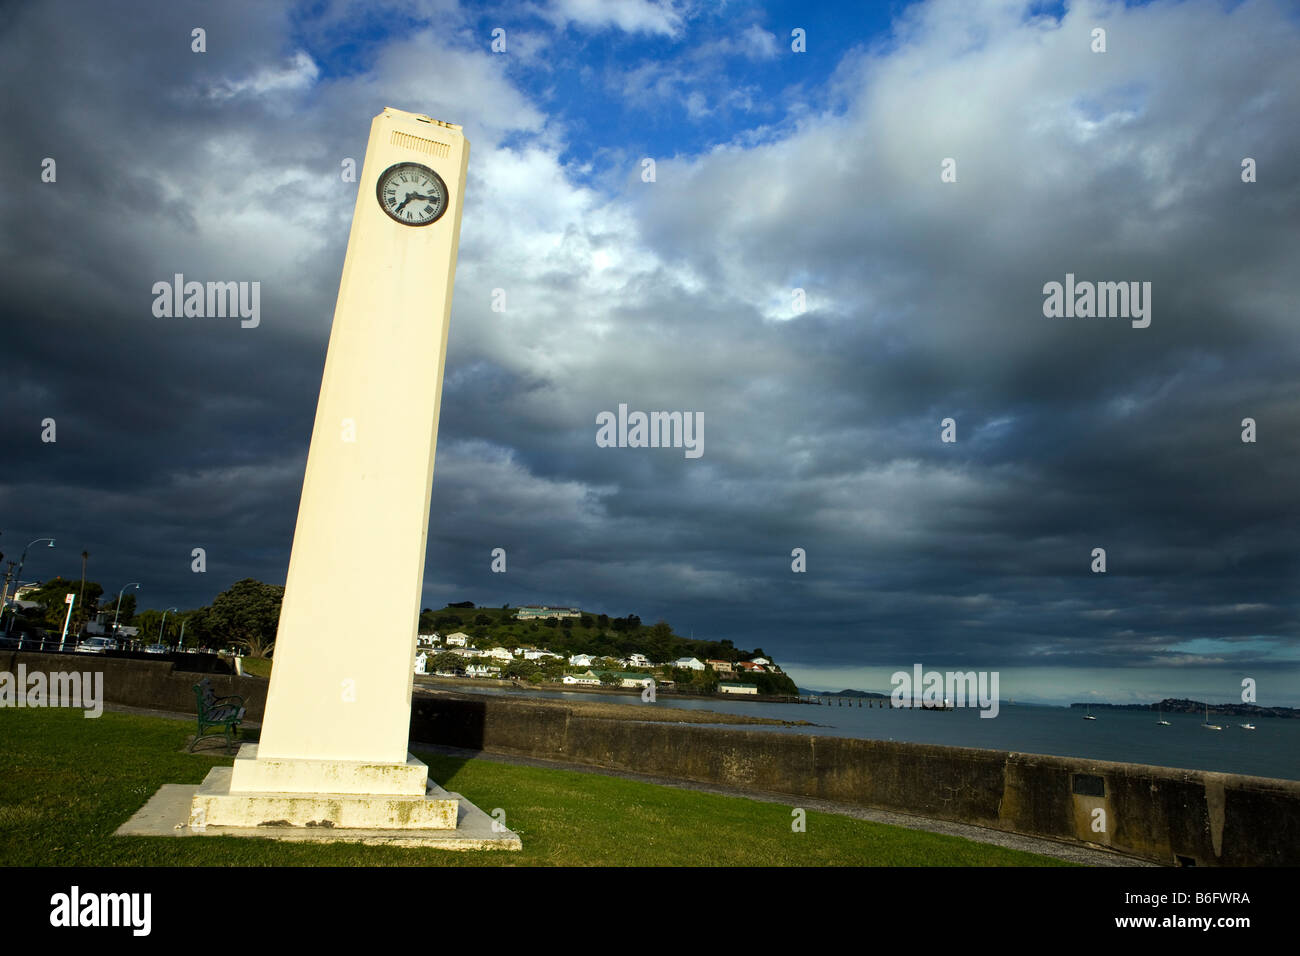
(81, 598)
(9, 576)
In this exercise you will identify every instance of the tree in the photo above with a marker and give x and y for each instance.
(447, 661)
(52, 598)
(609, 677)
(198, 627)
(148, 621)
(247, 614)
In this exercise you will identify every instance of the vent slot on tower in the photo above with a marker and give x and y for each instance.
(430, 146)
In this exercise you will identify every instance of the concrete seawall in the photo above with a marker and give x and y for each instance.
(1176, 817)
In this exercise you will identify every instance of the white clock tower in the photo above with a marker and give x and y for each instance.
(333, 748)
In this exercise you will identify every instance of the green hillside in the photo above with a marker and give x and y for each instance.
(599, 635)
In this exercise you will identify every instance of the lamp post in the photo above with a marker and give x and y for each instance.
(5, 600)
(163, 626)
(119, 606)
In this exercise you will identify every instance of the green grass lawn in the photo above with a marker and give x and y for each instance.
(66, 783)
(256, 666)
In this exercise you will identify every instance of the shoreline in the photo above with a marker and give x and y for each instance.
(642, 713)
(586, 689)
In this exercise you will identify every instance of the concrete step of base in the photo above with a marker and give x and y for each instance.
(216, 804)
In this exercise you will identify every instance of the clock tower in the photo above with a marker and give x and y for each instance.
(333, 747)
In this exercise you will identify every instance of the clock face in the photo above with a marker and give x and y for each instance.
(412, 194)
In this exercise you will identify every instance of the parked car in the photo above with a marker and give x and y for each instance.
(156, 649)
(95, 645)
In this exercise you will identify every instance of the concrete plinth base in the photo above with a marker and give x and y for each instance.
(217, 803)
(167, 814)
(255, 774)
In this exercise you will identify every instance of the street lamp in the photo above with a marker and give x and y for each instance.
(163, 625)
(17, 577)
(119, 606)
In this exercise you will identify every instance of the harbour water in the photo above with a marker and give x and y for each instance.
(1272, 750)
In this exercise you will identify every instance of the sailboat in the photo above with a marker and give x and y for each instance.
(1207, 725)
(1162, 722)
(1088, 715)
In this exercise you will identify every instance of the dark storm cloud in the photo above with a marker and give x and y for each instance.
(821, 429)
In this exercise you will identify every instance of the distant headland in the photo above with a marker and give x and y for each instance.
(1172, 705)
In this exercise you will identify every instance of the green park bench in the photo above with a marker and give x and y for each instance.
(214, 711)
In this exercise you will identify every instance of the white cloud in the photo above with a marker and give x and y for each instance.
(298, 74)
(631, 16)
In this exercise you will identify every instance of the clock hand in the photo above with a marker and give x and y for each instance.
(411, 196)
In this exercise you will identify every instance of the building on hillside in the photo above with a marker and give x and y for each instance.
(458, 639)
(500, 654)
(751, 668)
(732, 687)
(638, 660)
(537, 654)
(581, 660)
(761, 660)
(722, 667)
(482, 670)
(535, 612)
(689, 663)
(428, 640)
(587, 679)
(633, 679)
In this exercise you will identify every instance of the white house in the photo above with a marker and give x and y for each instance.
(459, 639)
(728, 687)
(482, 670)
(420, 660)
(638, 660)
(581, 660)
(536, 654)
(635, 680)
(427, 640)
(689, 663)
(589, 679)
(761, 660)
(500, 654)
